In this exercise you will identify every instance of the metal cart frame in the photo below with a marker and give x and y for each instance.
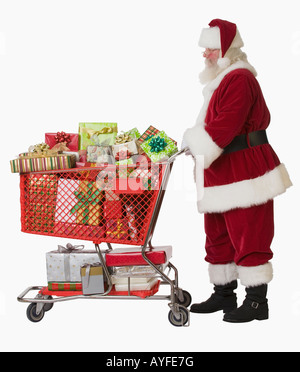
(179, 299)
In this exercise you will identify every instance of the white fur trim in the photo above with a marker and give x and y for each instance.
(210, 38)
(253, 276)
(222, 274)
(245, 193)
(201, 143)
(223, 62)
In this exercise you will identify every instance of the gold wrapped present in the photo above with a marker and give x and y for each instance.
(88, 208)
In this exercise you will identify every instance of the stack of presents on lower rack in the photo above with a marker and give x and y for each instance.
(64, 205)
(74, 269)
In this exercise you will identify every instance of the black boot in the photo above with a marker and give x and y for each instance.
(255, 306)
(222, 299)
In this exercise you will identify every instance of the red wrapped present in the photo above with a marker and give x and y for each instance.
(71, 139)
(133, 256)
(112, 209)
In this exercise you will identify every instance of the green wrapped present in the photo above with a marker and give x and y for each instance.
(128, 161)
(159, 147)
(133, 133)
(97, 134)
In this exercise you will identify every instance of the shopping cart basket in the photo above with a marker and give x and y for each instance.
(106, 204)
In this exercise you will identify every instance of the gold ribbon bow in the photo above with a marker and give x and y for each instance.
(91, 132)
(122, 138)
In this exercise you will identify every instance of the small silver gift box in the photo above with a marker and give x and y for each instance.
(92, 279)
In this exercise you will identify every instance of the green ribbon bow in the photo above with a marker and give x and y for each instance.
(157, 144)
(85, 200)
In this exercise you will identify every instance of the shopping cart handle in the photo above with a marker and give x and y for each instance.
(180, 152)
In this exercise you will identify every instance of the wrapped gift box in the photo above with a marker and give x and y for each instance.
(32, 163)
(135, 284)
(64, 286)
(133, 133)
(71, 140)
(39, 207)
(129, 147)
(106, 179)
(149, 133)
(92, 279)
(80, 164)
(117, 229)
(66, 200)
(100, 154)
(149, 180)
(159, 147)
(132, 225)
(97, 134)
(112, 209)
(88, 206)
(133, 256)
(65, 266)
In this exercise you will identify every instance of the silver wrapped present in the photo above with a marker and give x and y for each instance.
(64, 264)
(92, 279)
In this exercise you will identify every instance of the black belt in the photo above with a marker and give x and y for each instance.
(245, 141)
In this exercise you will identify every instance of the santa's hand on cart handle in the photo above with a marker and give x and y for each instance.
(185, 148)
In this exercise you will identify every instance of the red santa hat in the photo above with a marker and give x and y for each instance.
(221, 35)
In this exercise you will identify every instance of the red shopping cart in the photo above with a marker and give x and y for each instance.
(105, 204)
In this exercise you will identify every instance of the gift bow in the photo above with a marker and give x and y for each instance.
(43, 150)
(122, 138)
(91, 132)
(85, 200)
(69, 248)
(62, 137)
(117, 232)
(122, 155)
(39, 149)
(157, 144)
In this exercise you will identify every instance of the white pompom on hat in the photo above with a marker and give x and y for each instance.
(221, 35)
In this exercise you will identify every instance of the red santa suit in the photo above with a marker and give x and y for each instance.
(236, 189)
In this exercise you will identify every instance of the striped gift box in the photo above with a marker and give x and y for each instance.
(25, 163)
(64, 286)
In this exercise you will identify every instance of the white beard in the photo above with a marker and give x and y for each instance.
(210, 72)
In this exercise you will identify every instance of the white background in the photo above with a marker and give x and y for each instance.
(136, 62)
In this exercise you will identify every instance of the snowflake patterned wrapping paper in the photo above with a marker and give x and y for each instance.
(65, 267)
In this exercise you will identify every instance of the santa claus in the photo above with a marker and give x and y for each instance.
(238, 174)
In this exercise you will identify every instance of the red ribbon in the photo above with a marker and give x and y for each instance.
(123, 154)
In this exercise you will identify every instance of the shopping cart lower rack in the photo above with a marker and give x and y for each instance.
(110, 205)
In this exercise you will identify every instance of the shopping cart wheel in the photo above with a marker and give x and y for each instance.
(184, 299)
(181, 320)
(48, 306)
(32, 315)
